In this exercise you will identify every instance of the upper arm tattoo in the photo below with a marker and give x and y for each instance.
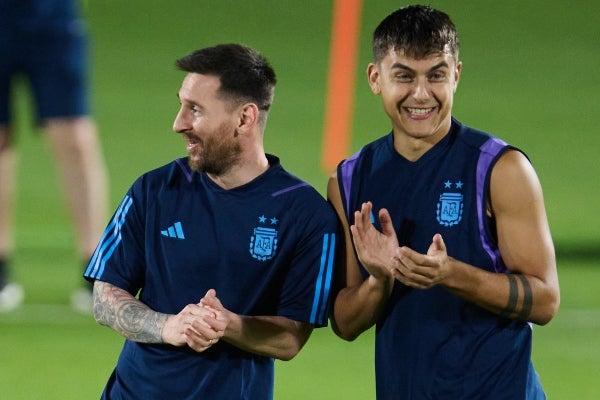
(512, 310)
(119, 310)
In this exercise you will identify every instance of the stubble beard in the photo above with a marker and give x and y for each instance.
(217, 154)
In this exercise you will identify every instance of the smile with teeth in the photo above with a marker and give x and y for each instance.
(419, 111)
(191, 142)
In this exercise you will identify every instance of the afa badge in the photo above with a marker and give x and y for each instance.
(263, 242)
(450, 206)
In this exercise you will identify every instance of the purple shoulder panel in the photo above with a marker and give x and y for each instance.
(347, 169)
(489, 153)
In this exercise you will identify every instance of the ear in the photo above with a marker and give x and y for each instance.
(373, 77)
(457, 72)
(249, 116)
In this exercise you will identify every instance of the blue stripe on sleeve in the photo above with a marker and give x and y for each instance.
(313, 314)
(109, 241)
(323, 283)
(328, 278)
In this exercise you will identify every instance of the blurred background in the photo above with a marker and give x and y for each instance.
(529, 77)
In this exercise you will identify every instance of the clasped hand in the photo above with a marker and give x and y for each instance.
(380, 253)
(200, 326)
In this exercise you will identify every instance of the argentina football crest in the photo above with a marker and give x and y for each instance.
(263, 242)
(450, 204)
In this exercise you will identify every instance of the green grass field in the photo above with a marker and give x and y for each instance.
(529, 76)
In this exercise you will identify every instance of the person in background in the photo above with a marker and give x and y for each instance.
(447, 246)
(43, 46)
(230, 256)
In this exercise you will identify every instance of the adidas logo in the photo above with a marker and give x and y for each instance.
(174, 231)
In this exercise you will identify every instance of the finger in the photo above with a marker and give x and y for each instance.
(413, 258)
(362, 222)
(356, 236)
(197, 346)
(437, 245)
(439, 242)
(366, 210)
(189, 309)
(402, 268)
(400, 277)
(199, 336)
(360, 244)
(198, 314)
(210, 328)
(362, 218)
(406, 277)
(195, 309)
(386, 222)
(410, 279)
(412, 266)
(210, 294)
(358, 221)
(216, 324)
(212, 301)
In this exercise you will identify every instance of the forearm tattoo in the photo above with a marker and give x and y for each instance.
(119, 310)
(512, 310)
(513, 295)
(527, 299)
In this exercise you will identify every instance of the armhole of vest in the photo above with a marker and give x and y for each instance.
(340, 182)
(491, 151)
(345, 172)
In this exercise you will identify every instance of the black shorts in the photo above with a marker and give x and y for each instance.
(53, 61)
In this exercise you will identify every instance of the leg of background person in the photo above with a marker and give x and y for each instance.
(11, 294)
(81, 165)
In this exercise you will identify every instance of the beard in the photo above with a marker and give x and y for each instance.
(216, 154)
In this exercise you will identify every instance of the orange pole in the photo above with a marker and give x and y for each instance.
(341, 81)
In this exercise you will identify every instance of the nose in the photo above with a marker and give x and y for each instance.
(421, 90)
(180, 124)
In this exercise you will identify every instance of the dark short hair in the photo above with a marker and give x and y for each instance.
(245, 75)
(418, 31)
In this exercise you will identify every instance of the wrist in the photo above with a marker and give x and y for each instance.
(164, 329)
(380, 284)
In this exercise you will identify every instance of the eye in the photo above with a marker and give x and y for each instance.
(195, 110)
(403, 77)
(437, 76)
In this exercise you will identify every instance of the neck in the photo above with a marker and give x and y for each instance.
(412, 147)
(242, 173)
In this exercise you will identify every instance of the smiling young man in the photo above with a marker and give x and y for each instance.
(217, 263)
(417, 97)
(447, 247)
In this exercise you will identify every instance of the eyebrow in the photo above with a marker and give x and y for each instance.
(439, 65)
(186, 101)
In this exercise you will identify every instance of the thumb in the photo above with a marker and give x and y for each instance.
(437, 244)
(210, 293)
